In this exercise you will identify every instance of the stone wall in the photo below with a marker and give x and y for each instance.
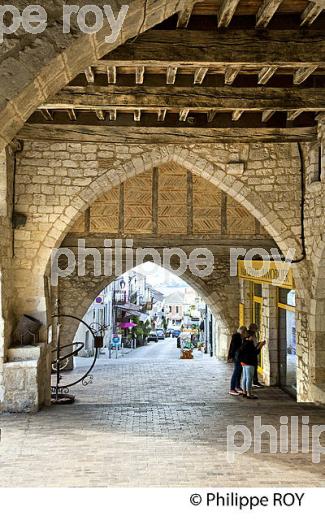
(56, 182)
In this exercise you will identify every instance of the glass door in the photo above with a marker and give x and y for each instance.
(287, 340)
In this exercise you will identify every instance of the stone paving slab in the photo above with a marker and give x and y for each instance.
(150, 419)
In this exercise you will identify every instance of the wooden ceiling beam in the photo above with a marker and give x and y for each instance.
(212, 48)
(266, 12)
(165, 134)
(311, 13)
(226, 12)
(197, 98)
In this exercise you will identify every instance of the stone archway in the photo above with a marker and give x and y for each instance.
(188, 157)
(77, 294)
(217, 175)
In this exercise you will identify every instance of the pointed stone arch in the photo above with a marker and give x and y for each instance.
(77, 296)
(214, 173)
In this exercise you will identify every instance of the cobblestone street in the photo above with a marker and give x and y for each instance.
(150, 419)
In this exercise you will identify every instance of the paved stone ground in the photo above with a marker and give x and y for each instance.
(150, 419)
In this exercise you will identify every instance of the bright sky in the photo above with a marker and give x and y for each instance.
(161, 279)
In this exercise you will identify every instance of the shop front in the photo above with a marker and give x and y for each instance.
(268, 299)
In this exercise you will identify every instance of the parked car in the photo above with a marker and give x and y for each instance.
(153, 336)
(176, 333)
(169, 333)
(160, 333)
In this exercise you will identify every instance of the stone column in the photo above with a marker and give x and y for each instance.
(6, 174)
(269, 332)
(321, 139)
(246, 298)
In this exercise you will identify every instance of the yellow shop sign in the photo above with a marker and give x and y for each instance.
(254, 270)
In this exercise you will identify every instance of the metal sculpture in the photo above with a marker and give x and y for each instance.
(60, 393)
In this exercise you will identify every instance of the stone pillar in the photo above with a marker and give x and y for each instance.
(321, 139)
(269, 332)
(246, 298)
(6, 253)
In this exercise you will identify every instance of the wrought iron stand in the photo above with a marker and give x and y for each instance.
(60, 394)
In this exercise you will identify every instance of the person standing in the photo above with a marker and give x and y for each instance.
(253, 331)
(235, 345)
(248, 358)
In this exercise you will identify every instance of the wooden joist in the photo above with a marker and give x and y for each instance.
(291, 116)
(100, 115)
(162, 114)
(112, 114)
(211, 115)
(111, 74)
(236, 115)
(266, 12)
(266, 115)
(226, 12)
(185, 14)
(199, 75)
(266, 74)
(47, 115)
(311, 13)
(231, 74)
(302, 74)
(183, 114)
(122, 134)
(197, 98)
(171, 75)
(72, 114)
(137, 115)
(89, 73)
(139, 74)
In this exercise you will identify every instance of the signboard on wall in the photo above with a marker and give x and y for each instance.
(274, 275)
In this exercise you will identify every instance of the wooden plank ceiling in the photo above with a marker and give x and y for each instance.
(220, 66)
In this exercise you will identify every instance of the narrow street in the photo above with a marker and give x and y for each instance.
(150, 419)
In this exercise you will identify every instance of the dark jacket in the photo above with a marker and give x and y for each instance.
(248, 354)
(235, 345)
